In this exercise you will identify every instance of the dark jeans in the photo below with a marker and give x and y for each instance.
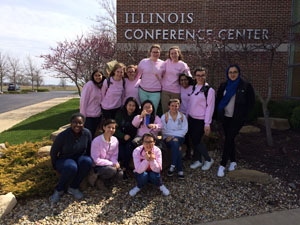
(92, 123)
(108, 172)
(72, 171)
(196, 128)
(231, 129)
(109, 113)
(176, 152)
(151, 177)
(125, 153)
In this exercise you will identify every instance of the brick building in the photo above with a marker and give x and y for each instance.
(213, 33)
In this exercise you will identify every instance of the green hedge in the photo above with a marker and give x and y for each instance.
(295, 118)
(42, 90)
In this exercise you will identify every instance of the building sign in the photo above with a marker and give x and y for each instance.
(183, 34)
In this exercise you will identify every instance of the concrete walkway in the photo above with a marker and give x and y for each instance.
(11, 118)
(286, 217)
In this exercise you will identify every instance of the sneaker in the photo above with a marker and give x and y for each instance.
(171, 171)
(207, 164)
(221, 171)
(196, 164)
(232, 166)
(76, 193)
(134, 191)
(180, 175)
(164, 190)
(56, 196)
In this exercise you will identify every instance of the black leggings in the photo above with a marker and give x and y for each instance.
(231, 129)
(196, 129)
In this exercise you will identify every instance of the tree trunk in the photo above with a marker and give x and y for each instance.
(78, 88)
(267, 124)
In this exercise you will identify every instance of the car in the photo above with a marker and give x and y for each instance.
(12, 87)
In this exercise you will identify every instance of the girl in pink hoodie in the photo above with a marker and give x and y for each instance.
(148, 165)
(104, 152)
(90, 101)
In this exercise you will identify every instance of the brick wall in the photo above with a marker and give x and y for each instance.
(273, 15)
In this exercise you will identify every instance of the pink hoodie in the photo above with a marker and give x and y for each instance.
(197, 106)
(141, 164)
(144, 129)
(185, 98)
(105, 153)
(147, 70)
(90, 100)
(112, 96)
(171, 71)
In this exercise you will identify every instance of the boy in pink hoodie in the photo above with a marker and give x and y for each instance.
(148, 164)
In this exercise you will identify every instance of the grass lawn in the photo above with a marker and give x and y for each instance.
(41, 125)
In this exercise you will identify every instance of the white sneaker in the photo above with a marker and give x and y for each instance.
(232, 166)
(221, 171)
(207, 164)
(196, 164)
(134, 191)
(164, 190)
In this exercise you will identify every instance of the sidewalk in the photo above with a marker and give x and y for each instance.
(291, 217)
(11, 118)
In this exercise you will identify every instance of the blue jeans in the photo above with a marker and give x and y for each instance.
(154, 97)
(72, 171)
(176, 152)
(144, 178)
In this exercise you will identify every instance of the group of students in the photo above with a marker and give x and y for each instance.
(124, 106)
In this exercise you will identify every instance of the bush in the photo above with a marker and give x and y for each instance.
(255, 112)
(42, 90)
(295, 118)
(282, 108)
(24, 174)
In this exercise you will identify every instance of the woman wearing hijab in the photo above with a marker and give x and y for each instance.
(235, 99)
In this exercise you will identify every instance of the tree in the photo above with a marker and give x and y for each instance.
(62, 83)
(4, 68)
(15, 70)
(30, 71)
(107, 22)
(38, 78)
(76, 60)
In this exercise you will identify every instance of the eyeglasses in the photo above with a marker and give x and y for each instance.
(233, 72)
(148, 142)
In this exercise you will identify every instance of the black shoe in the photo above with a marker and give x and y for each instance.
(170, 173)
(181, 176)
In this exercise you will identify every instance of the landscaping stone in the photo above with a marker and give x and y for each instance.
(246, 175)
(276, 123)
(249, 129)
(7, 203)
(2, 148)
(44, 151)
(64, 127)
(61, 129)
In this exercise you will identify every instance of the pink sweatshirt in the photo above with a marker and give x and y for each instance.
(112, 96)
(105, 153)
(132, 89)
(144, 129)
(185, 98)
(140, 162)
(197, 106)
(147, 70)
(90, 100)
(170, 72)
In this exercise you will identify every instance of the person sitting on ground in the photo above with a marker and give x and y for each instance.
(70, 157)
(147, 160)
(175, 126)
(125, 132)
(104, 152)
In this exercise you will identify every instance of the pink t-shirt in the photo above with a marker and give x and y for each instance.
(147, 70)
(132, 89)
(142, 128)
(112, 96)
(170, 72)
(185, 98)
(197, 105)
(90, 100)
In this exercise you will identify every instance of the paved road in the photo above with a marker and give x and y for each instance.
(14, 101)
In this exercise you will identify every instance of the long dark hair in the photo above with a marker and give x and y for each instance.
(93, 79)
(136, 111)
(152, 116)
(190, 79)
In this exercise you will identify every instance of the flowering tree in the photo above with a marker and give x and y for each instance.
(3, 68)
(75, 60)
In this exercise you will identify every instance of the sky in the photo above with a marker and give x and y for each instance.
(31, 27)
